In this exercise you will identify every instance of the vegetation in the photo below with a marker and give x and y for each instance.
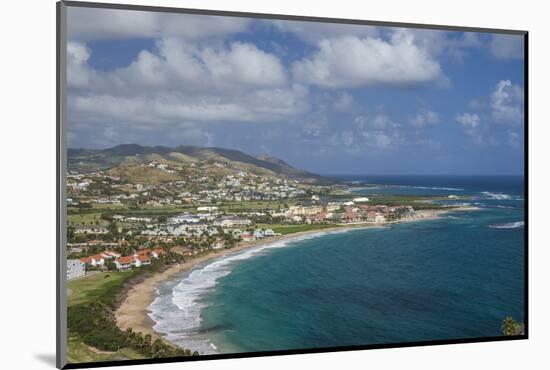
(510, 327)
(92, 324)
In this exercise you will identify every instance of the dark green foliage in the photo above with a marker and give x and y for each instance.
(96, 325)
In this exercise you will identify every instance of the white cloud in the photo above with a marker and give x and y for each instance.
(378, 132)
(78, 73)
(351, 61)
(468, 120)
(424, 118)
(182, 80)
(313, 32)
(507, 103)
(86, 24)
(507, 46)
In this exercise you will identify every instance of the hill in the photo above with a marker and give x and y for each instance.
(123, 159)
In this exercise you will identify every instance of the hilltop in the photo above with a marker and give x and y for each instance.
(127, 161)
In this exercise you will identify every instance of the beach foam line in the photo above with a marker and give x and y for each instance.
(509, 225)
(177, 312)
(500, 196)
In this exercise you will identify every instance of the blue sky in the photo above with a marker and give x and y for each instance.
(329, 98)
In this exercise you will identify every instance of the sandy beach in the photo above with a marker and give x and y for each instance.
(133, 312)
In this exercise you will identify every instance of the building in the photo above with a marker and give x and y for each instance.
(142, 260)
(95, 260)
(305, 211)
(207, 208)
(124, 263)
(351, 216)
(361, 200)
(91, 230)
(379, 218)
(219, 244)
(158, 252)
(233, 222)
(258, 234)
(75, 268)
(331, 207)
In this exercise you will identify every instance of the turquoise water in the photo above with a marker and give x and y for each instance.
(452, 278)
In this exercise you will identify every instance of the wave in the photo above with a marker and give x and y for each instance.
(177, 310)
(428, 187)
(500, 196)
(509, 225)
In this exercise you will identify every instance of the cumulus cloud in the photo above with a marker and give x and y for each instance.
(351, 61)
(468, 120)
(501, 110)
(86, 24)
(185, 81)
(507, 46)
(424, 118)
(507, 103)
(313, 32)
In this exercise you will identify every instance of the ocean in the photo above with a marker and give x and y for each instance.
(456, 277)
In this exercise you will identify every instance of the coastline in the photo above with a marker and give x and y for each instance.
(134, 310)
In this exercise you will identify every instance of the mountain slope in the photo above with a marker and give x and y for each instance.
(128, 154)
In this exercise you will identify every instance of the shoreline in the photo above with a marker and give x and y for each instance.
(133, 312)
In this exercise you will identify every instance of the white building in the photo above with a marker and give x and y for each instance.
(75, 269)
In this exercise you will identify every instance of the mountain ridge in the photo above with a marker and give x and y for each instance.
(82, 159)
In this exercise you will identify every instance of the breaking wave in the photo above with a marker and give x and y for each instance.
(500, 196)
(509, 225)
(177, 310)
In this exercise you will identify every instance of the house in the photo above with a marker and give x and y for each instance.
(158, 252)
(110, 254)
(269, 232)
(247, 237)
(75, 268)
(320, 217)
(219, 244)
(124, 262)
(351, 216)
(258, 234)
(379, 218)
(95, 260)
(361, 200)
(142, 260)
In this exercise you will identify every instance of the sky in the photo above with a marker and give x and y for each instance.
(328, 98)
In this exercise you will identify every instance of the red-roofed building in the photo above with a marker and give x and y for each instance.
(157, 252)
(124, 263)
(86, 260)
(95, 260)
(351, 216)
(142, 260)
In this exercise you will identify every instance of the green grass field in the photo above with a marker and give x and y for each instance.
(78, 352)
(102, 286)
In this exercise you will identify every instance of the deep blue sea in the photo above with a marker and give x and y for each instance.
(455, 277)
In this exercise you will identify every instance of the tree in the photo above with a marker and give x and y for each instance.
(111, 266)
(510, 327)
